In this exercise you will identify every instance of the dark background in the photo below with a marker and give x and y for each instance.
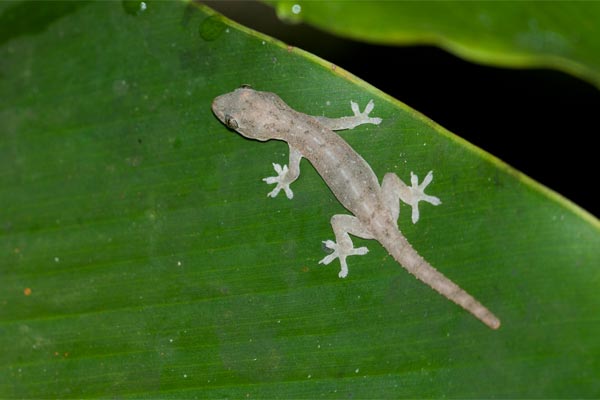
(542, 122)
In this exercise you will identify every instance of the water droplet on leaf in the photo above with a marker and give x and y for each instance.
(211, 28)
(289, 12)
(134, 7)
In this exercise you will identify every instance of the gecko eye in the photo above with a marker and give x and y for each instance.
(231, 122)
(245, 86)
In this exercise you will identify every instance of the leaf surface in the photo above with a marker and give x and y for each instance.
(141, 257)
(564, 35)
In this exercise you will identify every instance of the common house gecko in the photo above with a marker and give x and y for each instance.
(375, 208)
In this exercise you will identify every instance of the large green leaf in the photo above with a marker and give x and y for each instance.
(557, 34)
(142, 258)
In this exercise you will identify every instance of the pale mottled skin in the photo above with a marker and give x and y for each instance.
(263, 116)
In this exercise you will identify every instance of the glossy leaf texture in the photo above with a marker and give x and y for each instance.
(141, 258)
(564, 35)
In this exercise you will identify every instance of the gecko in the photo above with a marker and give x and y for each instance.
(375, 208)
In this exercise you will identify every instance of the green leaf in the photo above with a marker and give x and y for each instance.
(536, 34)
(140, 256)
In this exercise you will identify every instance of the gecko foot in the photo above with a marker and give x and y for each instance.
(341, 252)
(418, 194)
(364, 116)
(280, 180)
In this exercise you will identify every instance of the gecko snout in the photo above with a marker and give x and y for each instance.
(218, 109)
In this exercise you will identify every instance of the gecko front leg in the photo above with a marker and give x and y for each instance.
(285, 175)
(342, 247)
(359, 118)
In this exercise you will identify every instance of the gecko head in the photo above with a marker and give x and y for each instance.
(247, 111)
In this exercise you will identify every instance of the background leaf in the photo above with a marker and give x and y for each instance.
(141, 257)
(558, 34)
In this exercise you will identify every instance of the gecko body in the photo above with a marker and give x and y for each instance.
(375, 208)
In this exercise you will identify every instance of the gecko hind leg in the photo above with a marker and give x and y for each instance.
(342, 247)
(393, 188)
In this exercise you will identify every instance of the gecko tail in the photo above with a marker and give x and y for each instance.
(405, 255)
